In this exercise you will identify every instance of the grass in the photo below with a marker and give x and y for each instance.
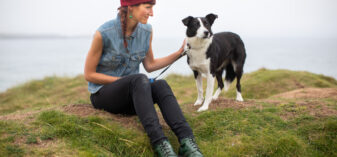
(32, 122)
(85, 133)
(47, 92)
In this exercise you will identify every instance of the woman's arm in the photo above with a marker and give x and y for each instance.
(92, 61)
(151, 64)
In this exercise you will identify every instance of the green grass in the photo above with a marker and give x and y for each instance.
(260, 130)
(84, 134)
(8, 132)
(40, 93)
(262, 133)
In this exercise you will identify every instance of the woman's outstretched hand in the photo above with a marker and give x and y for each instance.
(183, 47)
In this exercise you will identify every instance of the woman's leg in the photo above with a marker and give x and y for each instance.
(115, 97)
(131, 94)
(167, 102)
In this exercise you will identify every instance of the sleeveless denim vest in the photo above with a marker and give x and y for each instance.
(115, 61)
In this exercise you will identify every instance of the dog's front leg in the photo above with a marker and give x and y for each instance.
(198, 82)
(209, 93)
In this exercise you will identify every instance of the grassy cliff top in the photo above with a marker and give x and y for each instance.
(285, 113)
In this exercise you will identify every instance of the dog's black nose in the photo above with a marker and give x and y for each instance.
(206, 33)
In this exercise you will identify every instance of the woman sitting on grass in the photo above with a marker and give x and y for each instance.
(115, 84)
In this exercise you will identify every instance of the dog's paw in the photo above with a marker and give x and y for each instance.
(214, 97)
(216, 94)
(239, 98)
(203, 108)
(198, 102)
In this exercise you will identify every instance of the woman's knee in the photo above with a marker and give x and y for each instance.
(141, 78)
(160, 84)
(163, 95)
(140, 81)
(160, 88)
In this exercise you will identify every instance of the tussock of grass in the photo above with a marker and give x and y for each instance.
(255, 130)
(86, 133)
(246, 132)
(8, 132)
(322, 136)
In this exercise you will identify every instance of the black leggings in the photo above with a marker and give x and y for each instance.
(134, 94)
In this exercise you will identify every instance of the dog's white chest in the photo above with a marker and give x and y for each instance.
(198, 61)
(197, 54)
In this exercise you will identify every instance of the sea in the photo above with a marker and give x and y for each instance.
(28, 58)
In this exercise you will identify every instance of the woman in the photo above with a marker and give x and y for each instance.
(112, 70)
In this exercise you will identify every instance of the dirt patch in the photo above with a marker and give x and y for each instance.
(24, 116)
(20, 140)
(307, 100)
(83, 110)
(313, 108)
(45, 143)
(309, 93)
(318, 108)
(231, 103)
(41, 143)
(48, 147)
(18, 116)
(222, 103)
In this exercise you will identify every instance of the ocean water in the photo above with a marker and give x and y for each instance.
(24, 59)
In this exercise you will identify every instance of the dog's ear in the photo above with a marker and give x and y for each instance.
(187, 20)
(211, 17)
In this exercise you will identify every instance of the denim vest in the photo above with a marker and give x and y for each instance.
(115, 60)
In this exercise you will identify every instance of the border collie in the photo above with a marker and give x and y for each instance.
(210, 54)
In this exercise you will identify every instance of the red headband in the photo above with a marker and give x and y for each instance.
(125, 3)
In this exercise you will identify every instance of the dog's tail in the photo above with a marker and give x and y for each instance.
(230, 73)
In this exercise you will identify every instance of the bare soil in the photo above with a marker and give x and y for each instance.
(309, 93)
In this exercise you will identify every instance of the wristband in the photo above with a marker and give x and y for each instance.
(151, 80)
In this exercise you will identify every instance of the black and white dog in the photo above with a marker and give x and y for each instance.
(210, 54)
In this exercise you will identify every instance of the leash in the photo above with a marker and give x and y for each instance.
(181, 55)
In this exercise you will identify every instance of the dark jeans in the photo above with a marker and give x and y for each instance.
(134, 94)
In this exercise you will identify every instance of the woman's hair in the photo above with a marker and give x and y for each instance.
(123, 11)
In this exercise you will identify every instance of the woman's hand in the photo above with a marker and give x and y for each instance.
(183, 47)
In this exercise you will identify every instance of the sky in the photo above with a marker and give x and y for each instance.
(253, 18)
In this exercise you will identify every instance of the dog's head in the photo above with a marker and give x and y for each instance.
(199, 27)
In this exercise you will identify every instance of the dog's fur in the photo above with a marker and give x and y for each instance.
(210, 55)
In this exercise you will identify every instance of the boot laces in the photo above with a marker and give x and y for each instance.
(193, 144)
(165, 147)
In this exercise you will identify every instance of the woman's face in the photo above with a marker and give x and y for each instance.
(142, 12)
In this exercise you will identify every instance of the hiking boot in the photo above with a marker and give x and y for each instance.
(164, 149)
(189, 148)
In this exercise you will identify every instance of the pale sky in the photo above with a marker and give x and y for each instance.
(255, 18)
